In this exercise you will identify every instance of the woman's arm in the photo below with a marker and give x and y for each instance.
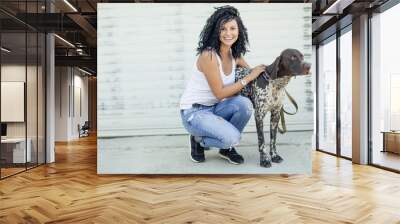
(207, 63)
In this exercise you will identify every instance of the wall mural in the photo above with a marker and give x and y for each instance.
(146, 58)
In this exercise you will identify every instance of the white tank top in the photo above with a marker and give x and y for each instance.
(198, 91)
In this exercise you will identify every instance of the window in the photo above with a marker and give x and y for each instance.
(346, 94)
(22, 75)
(385, 89)
(327, 96)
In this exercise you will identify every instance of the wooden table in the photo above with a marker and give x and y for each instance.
(391, 141)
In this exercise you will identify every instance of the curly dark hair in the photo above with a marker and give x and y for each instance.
(209, 36)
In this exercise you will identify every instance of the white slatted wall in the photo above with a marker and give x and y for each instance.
(146, 53)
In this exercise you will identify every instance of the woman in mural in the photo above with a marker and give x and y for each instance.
(211, 110)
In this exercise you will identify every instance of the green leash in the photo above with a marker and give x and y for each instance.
(283, 112)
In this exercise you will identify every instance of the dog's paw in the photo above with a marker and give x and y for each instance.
(265, 163)
(265, 160)
(276, 158)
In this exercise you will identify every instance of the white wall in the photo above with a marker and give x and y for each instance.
(70, 84)
(12, 101)
(144, 62)
(80, 109)
(61, 96)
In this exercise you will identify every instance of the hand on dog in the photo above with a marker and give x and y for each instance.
(256, 71)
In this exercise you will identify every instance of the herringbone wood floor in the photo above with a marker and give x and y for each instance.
(70, 191)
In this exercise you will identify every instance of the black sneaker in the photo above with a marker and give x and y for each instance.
(197, 151)
(231, 155)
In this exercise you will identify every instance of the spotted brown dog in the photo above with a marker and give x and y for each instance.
(267, 93)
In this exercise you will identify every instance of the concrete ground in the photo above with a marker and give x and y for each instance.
(171, 155)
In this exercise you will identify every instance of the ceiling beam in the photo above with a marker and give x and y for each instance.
(337, 7)
(86, 26)
(84, 61)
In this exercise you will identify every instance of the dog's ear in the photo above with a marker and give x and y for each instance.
(275, 68)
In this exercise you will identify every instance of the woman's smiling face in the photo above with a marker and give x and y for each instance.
(229, 33)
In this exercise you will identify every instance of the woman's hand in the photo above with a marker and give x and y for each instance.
(256, 71)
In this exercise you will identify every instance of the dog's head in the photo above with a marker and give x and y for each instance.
(289, 63)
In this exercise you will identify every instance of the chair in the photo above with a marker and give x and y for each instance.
(84, 130)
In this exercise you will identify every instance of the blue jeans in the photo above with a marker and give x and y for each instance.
(219, 125)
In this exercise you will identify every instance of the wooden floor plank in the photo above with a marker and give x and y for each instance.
(70, 191)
